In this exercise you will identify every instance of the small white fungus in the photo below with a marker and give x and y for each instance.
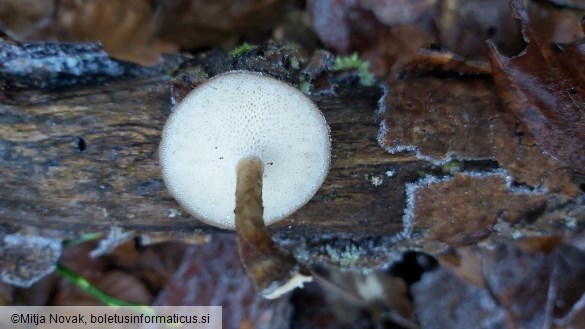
(240, 114)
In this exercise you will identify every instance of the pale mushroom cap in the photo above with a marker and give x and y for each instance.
(240, 114)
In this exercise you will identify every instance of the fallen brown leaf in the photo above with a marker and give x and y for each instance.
(546, 93)
(465, 262)
(554, 23)
(531, 283)
(518, 280)
(212, 274)
(443, 300)
(442, 61)
(351, 291)
(544, 244)
(384, 33)
(464, 25)
(139, 30)
(124, 286)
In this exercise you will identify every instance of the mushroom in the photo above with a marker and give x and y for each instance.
(242, 151)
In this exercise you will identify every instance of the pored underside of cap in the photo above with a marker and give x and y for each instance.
(236, 115)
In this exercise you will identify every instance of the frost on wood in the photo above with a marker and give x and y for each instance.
(52, 65)
(438, 119)
(27, 259)
(463, 210)
(56, 58)
(444, 119)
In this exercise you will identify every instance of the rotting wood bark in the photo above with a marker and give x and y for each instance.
(87, 159)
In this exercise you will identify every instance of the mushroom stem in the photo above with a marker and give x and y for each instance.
(249, 209)
(272, 270)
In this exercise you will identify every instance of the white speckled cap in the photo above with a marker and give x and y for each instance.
(240, 114)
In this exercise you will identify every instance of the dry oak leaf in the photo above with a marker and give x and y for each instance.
(545, 89)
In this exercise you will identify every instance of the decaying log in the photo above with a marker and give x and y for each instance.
(86, 158)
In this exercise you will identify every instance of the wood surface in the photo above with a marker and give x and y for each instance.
(86, 159)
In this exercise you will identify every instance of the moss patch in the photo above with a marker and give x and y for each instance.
(242, 49)
(353, 62)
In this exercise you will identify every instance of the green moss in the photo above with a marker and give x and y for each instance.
(294, 62)
(353, 62)
(305, 87)
(452, 167)
(242, 49)
(290, 50)
(347, 257)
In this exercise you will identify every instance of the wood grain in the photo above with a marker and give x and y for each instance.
(86, 159)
